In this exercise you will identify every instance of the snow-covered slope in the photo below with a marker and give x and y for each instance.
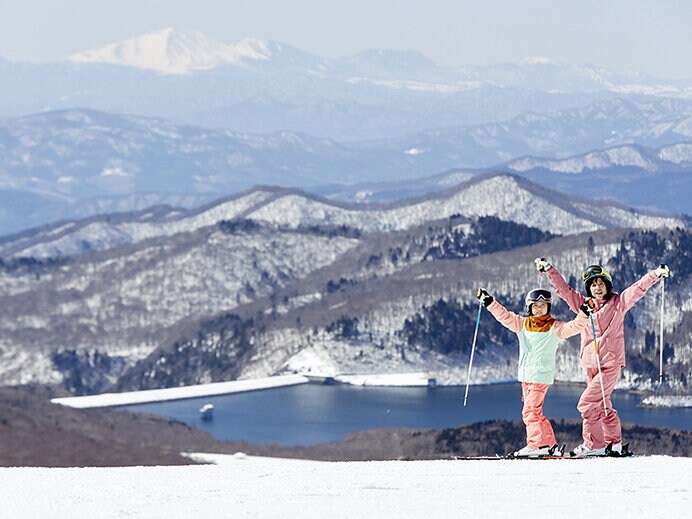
(656, 486)
(125, 303)
(618, 156)
(389, 306)
(553, 134)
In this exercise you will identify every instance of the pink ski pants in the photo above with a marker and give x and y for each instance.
(539, 432)
(598, 430)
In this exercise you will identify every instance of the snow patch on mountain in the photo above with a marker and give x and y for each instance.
(128, 299)
(531, 61)
(421, 86)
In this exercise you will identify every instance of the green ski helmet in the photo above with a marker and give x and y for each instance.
(596, 271)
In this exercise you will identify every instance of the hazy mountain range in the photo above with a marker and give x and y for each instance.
(173, 117)
(264, 86)
(76, 163)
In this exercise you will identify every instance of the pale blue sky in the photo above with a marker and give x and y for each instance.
(649, 36)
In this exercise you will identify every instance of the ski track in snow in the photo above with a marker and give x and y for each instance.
(240, 486)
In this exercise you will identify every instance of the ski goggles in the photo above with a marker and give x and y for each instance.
(539, 295)
(595, 271)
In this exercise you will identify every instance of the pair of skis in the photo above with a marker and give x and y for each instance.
(626, 453)
(543, 457)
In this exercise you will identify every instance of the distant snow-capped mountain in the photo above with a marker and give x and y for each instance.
(172, 51)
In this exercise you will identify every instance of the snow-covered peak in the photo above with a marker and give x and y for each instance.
(171, 51)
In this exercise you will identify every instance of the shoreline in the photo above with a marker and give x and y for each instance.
(395, 380)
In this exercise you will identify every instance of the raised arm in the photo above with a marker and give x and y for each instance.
(567, 329)
(508, 319)
(636, 290)
(573, 298)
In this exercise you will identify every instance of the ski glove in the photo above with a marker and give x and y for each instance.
(542, 264)
(663, 271)
(484, 297)
(587, 307)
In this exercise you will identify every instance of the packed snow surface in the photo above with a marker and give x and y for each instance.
(240, 486)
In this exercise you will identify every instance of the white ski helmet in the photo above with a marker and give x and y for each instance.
(538, 295)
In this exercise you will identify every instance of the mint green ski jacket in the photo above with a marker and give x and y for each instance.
(538, 340)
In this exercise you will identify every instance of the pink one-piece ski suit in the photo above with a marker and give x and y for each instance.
(598, 428)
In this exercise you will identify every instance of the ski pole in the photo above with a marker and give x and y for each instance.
(598, 363)
(473, 348)
(660, 363)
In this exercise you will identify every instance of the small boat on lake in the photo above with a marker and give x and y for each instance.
(206, 412)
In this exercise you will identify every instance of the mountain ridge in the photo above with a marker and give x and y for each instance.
(292, 208)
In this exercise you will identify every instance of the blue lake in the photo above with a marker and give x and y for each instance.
(310, 413)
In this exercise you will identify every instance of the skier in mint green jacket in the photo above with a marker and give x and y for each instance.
(539, 335)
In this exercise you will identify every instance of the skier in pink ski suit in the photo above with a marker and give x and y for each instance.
(601, 429)
(539, 335)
